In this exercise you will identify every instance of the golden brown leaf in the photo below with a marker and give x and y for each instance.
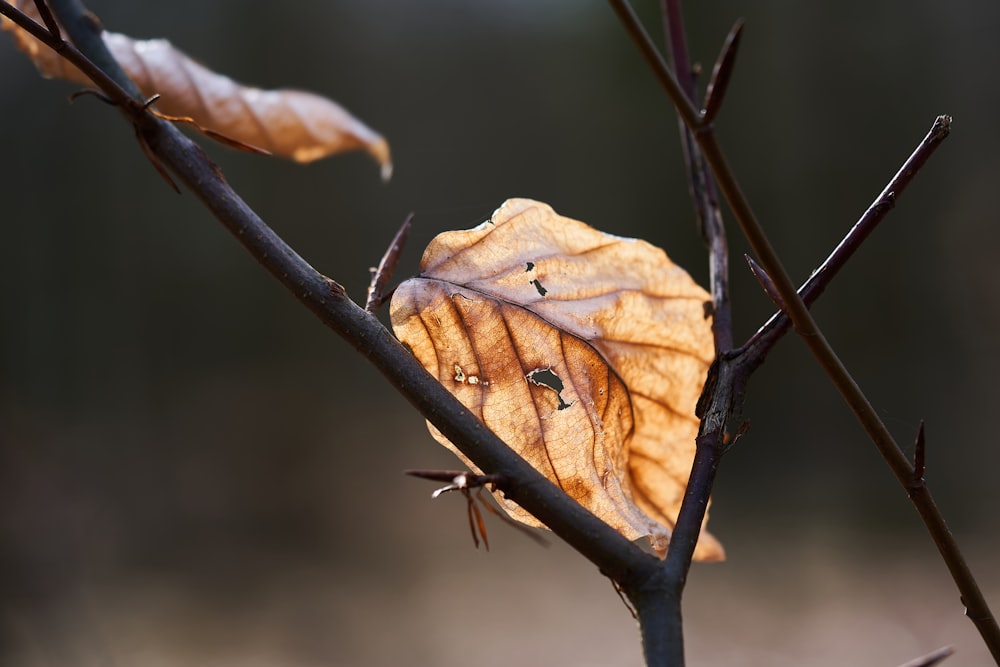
(290, 123)
(584, 352)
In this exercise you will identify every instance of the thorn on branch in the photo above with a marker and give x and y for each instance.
(730, 440)
(931, 659)
(74, 96)
(150, 101)
(382, 274)
(465, 481)
(621, 596)
(457, 479)
(721, 74)
(141, 107)
(765, 282)
(462, 481)
(918, 459)
(154, 160)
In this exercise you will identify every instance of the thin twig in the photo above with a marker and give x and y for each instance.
(464, 481)
(778, 324)
(685, 107)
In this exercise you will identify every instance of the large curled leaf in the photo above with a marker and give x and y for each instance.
(289, 123)
(584, 352)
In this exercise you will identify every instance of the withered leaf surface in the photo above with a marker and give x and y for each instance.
(584, 352)
(289, 123)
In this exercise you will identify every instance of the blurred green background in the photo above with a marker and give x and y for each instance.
(194, 471)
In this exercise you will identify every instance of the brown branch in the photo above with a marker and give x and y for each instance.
(638, 573)
(977, 609)
(907, 473)
(618, 558)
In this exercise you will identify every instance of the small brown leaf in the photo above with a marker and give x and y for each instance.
(584, 352)
(290, 123)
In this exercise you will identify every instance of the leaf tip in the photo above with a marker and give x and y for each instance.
(379, 149)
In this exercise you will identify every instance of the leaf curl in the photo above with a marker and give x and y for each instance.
(294, 124)
(584, 352)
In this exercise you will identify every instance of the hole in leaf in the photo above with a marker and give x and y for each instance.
(545, 377)
(531, 267)
(538, 286)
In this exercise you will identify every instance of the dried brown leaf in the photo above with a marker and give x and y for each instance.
(584, 352)
(290, 123)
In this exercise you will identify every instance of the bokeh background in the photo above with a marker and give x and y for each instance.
(194, 471)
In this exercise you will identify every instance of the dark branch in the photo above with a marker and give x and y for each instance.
(797, 311)
(640, 575)
(614, 555)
